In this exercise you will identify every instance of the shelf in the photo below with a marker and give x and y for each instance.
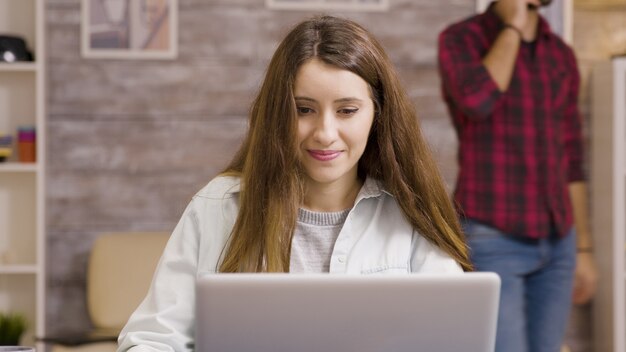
(18, 167)
(608, 185)
(22, 185)
(18, 269)
(18, 67)
(600, 5)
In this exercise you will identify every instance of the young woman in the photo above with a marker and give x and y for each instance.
(333, 176)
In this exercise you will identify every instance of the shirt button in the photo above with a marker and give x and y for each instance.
(341, 259)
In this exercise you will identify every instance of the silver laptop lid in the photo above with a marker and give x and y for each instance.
(360, 313)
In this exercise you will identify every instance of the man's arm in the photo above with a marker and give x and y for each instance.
(500, 60)
(520, 23)
(586, 276)
(473, 79)
(578, 197)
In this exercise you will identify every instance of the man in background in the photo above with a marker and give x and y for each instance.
(511, 87)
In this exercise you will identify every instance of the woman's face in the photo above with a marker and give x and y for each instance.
(335, 114)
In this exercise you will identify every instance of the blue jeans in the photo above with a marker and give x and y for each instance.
(537, 278)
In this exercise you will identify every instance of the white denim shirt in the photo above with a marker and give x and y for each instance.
(375, 239)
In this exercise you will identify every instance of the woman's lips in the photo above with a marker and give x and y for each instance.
(324, 155)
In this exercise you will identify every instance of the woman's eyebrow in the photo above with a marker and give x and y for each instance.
(306, 99)
(341, 100)
(349, 100)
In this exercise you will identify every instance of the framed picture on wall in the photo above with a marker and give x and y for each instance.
(129, 29)
(320, 5)
(559, 14)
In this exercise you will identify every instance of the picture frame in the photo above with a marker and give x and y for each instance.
(559, 15)
(129, 29)
(329, 5)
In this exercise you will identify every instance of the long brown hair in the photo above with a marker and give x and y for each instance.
(396, 153)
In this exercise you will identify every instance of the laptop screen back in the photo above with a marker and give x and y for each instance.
(361, 313)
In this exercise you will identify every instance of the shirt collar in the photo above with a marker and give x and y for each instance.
(371, 188)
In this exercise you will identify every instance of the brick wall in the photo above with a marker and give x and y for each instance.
(130, 141)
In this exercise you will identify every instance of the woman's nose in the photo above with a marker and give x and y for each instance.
(326, 129)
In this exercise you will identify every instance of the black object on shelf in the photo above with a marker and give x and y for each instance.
(13, 49)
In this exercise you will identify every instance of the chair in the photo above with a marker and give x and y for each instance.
(119, 273)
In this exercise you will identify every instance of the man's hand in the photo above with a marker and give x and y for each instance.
(515, 12)
(585, 278)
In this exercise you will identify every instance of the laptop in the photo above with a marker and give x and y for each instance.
(347, 313)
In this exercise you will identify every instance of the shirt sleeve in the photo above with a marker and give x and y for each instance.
(465, 80)
(572, 128)
(164, 320)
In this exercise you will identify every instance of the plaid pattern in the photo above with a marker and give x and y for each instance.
(519, 149)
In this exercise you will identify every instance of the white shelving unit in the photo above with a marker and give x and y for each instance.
(22, 193)
(608, 176)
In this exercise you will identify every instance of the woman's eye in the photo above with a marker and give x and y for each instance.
(303, 110)
(348, 111)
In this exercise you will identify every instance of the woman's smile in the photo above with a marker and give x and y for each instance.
(324, 155)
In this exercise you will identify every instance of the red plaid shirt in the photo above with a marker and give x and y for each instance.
(518, 149)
